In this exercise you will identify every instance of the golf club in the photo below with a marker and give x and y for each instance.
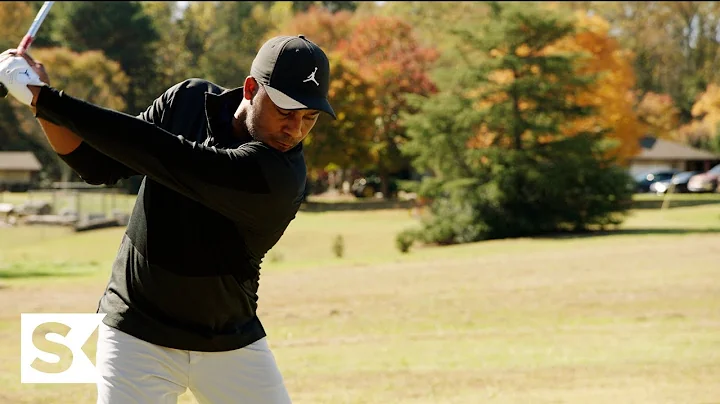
(30, 36)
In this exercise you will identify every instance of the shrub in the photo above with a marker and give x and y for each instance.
(567, 186)
(405, 239)
(338, 246)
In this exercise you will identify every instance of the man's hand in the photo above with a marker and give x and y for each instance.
(21, 76)
(62, 140)
(38, 67)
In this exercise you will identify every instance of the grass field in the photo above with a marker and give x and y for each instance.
(631, 316)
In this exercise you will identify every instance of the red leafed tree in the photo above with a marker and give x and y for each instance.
(319, 25)
(391, 59)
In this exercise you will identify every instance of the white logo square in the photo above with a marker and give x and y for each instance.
(76, 330)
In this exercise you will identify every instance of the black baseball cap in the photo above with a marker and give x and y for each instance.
(295, 73)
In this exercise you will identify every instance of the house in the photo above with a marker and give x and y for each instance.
(17, 170)
(661, 154)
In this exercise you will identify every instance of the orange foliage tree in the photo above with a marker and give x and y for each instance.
(704, 130)
(659, 113)
(611, 95)
(392, 60)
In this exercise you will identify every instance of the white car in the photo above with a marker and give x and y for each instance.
(705, 182)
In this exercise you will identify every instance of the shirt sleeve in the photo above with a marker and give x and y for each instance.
(234, 182)
(97, 168)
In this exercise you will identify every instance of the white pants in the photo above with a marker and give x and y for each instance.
(133, 371)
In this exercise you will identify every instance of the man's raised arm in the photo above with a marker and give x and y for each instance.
(234, 182)
(92, 166)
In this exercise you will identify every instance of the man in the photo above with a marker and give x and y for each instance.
(224, 175)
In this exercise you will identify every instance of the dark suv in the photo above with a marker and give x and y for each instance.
(643, 181)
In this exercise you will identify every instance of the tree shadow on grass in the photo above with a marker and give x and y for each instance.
(631, 232)
(360, 205)
(11, 274)
(25, 270)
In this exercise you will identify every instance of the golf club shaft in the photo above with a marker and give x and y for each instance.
(30, 36)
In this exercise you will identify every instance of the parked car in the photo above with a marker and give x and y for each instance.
(680, 180)
(705, 182)
(367, 187)
(643, 181)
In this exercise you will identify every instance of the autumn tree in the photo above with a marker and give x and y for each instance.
(87, 75)
(390, 58)
(704, 130)
(502, 162)
(659, 114)
(343, 144)
(346, 141)
(612, 93)
(320, 25)
(434, 25)
(675, 45)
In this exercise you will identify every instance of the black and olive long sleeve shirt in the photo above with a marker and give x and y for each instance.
(210, 207)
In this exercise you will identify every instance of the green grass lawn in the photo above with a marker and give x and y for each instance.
(621, 317)
(653, 201)
(712, 197)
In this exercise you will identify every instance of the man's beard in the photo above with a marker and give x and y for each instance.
(251, 128)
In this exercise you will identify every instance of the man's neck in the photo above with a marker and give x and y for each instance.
(239, 128)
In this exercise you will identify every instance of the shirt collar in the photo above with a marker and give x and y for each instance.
(219, 112)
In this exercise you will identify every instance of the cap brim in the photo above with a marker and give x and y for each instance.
(285, 101)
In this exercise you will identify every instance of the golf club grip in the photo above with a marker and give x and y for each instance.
(24, 44)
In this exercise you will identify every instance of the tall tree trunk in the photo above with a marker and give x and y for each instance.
(342, 179)
(384, 185)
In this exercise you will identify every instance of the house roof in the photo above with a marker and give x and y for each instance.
(19, 161)
(660, 149)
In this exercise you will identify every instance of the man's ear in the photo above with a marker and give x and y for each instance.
(250, 88)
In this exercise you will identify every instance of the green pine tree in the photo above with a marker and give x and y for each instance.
(494, 141)
(534, 98)
(121, 30)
